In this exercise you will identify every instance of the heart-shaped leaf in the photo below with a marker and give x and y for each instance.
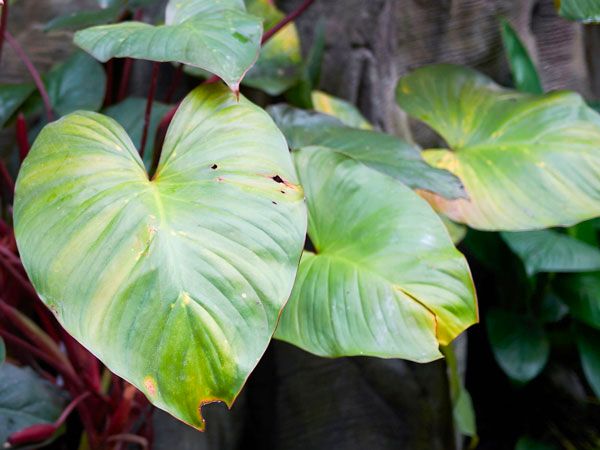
(25, 400)
(383, 152)
(175, 283)
(551, 251)
(218, 36)
(527, 161)
(384, 278)
(587, 11)
(520, 344)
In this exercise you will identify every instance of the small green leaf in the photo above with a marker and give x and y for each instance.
(527, 443)
(78, 83)
(588, 343)
(519, 343)
(587, 11)
(130, 115)
(523, 70)
(346, 112)
(384, 278)
(526, 161)
(12, 97)
(551, 251)
(581, 293)
(218, 36)
(2, 351)
(83, 19)
(25, 400)
(382, 152)
(174, 282)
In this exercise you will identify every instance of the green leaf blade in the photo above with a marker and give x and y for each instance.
(527, 162)
(224, 41)
(525, 75)
(586, 11)
(175, 283)
(362, 293)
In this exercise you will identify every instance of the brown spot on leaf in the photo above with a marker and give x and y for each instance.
(150, 385)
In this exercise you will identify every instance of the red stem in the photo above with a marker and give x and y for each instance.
(149, 103)
(7, 180)
(22, 138)
(37, 79)
(3, 25)
(70, 407)
(287, 19)
(110, 69)
(127, 65)
(175, 83)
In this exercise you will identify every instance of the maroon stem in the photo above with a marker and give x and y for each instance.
(127, 65)
(37, 79)
(3, 25)
(110, 69)
(22, 138)
(175, 83)
(70, 407)
(149, 103)
(287, 19)
(7, 181)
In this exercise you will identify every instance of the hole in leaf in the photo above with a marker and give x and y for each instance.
(214, 167)
(277, 179)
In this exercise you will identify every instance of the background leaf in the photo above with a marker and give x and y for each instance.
(581, 292)
(382, 152)
(82, 19)
(345, 111)
(523, 70)
(527, 162)
(384, 278)
(175, 283)
(519, 344)
(551, 251)
(26, 399)
(588, 343)
(12, 97)
(587, 11)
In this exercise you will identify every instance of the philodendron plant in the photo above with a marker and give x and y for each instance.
(177, 277)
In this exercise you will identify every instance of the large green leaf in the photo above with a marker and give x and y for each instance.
(384, 278)
(526, 161)
(12, 97)
(587, 11)
(525, 75)
(25, 400)
(77, 83)
(130, 115)
(581, 293)
(519, 343)
(382, 152)
(551, 251)
(175, 283)
(588, 343)
(215, 35)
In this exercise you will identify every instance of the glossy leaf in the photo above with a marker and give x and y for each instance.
(345, 111)
(68, 85)
(382, 152)
(588, 343)
(526, 161)
(25, 400)
(581, 293)
(519, 343)
(384, 278)
(551, 251)
(525, 75)
(175, 283)
(218, 36)
(82, 19)
(12, 97)
(130, 115)
(587, 11)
